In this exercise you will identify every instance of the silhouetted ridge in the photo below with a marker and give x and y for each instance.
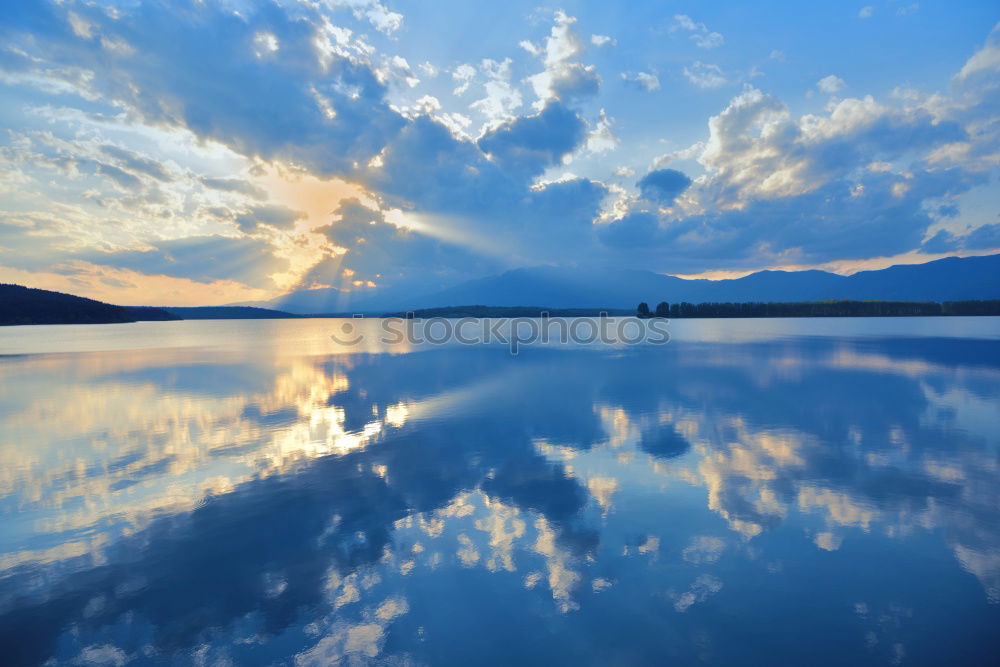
(26, 305)
(227, 313)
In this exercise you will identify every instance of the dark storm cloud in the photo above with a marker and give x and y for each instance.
(664, 185)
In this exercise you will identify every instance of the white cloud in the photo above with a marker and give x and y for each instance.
(81, 28)
(705, 75)
(399, 69)
(458, 124)
(689, 153)
(377, 14)
(265, 44)
(987, 59)
(502, 99)
(700, 34)
(530, 47)
(756, 149)
(647, 81)
(777, 185)
(685, 22)
(463, 74)
(602, 40)
(602, 138)
(708, 41)
(866, 12)
(830, 84)
(427, 104)
(563, 77)
(908, 9)
(562, 44)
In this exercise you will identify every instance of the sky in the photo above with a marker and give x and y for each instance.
(199, 152)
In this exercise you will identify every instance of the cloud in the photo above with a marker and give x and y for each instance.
(602, 138)
(985, 237)
(700, 35)
(34, 241)
(906, 10)
(203, 258)
(397, 70)
(125, 180)
(647, 81)
(808, 190)
(630, 231)
(602, 40)
(986, 60)
(530, 144)
(642, 228)
(830, 84)
(757, 149)
(709, 41)
(374, 12)
(274, 215)
(705, 75)
(463, 75)
(826, 224)
(501, 99)
(236, 185)
(324, 105)
(691, 152)
(382, 254)
(563, 78)
(866, 12)
(663, 186)
(486, 195)
(137, 163)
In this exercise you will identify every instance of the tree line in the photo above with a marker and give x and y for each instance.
(839, 308)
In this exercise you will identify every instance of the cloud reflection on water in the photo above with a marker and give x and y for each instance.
(324, 506)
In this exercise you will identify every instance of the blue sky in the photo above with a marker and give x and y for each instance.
(211, 152)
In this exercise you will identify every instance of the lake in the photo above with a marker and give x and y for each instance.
(783, 491)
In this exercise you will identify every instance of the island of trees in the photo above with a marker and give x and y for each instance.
(820, 309)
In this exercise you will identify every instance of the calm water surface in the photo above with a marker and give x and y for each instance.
(756, 491)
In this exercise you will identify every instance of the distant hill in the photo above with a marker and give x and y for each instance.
(227, 313)
(25, 305)
(150, 314)
(949, 279)
(509, 311)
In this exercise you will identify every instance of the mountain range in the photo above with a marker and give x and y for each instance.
(948, 279)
